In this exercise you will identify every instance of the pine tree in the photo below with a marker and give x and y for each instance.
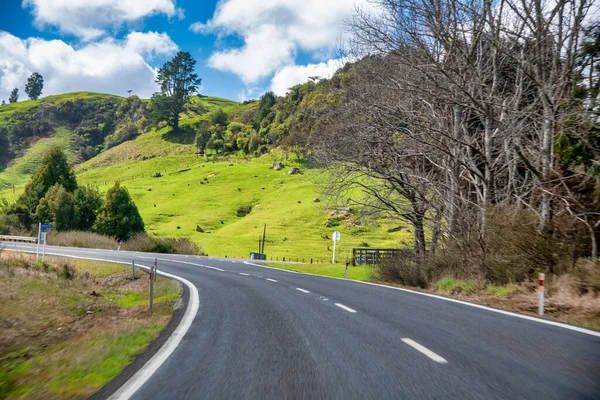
(118, 215)
(53, 169)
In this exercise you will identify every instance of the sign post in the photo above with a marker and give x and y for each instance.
(42, 228)
(44, 238)
(346, 274)
(37, 251)
(336, 238)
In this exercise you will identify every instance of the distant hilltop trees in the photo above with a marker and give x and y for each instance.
(33, 88)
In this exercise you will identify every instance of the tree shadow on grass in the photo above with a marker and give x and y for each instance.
(185, 135)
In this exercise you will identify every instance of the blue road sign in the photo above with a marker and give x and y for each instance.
(46, 226)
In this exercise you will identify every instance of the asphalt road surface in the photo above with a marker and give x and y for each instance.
(263, 333)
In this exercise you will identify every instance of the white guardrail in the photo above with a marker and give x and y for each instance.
(18, 239)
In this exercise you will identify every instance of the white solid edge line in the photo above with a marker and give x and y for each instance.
(465, 303)
(302, 290)
(144, 373)
(277, 269)
(435, 357)
(272, 280)
(343, 307)
(198, 265)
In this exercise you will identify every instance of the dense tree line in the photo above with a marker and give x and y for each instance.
(53, 195)
(465, 109)
(97, 123)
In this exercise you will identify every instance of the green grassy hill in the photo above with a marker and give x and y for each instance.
(195, 192)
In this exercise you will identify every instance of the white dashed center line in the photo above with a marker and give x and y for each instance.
(241, 273)
(343, 307)
(425, 351)
(271, 280)
(302, 290)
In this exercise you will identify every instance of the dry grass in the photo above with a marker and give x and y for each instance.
(140, 242)
(564, 301)
(65, 336)
(82, 239)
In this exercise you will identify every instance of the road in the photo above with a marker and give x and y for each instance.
(263, 333)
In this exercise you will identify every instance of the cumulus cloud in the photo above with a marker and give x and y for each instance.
(292, 75)
(273, 32)
(90, 19)
(108, 66)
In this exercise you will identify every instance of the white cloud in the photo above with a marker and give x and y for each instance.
(274, 31)
(90, 19)
(292, 75)
(264, 52)
(107, 66)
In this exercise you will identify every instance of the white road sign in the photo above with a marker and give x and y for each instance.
(336, 236)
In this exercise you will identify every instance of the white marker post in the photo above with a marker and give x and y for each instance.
(541, 301)
(336, 238)
(151, 291)
(37, 252)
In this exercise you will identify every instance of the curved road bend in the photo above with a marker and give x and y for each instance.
(270, 334)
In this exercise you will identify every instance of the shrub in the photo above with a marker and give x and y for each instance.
(144, 243)
(118, 216)
(455, 286)
(402, 269)
(243, 211)
(82, 239)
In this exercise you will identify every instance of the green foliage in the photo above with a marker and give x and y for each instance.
(118, 215)
(53, 169)
(58, 205)
(202, 136)
(452, 285)
(14, 96)
(177, 82)
(35, 85)
(219, 118)
(266, 103)
(125, 133)
(87, 202)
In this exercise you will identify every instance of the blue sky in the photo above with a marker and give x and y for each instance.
(242, 47)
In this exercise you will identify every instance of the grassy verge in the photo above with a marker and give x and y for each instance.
(358, 273)
(563, 300)
(70, 326)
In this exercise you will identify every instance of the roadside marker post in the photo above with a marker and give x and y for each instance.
(155, 269)
(336, 238)
(150, 298)
(346, 274)
(133, 270)
(541, 297)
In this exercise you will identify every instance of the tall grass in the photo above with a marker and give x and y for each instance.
(140, 242)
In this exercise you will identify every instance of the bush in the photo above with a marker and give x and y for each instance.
(587, 274)
(139, 242)
(514, 251)
(402, 269)
(82, 239)
(455, 286)
(243, 211)
(63, 269)
(144, 243)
